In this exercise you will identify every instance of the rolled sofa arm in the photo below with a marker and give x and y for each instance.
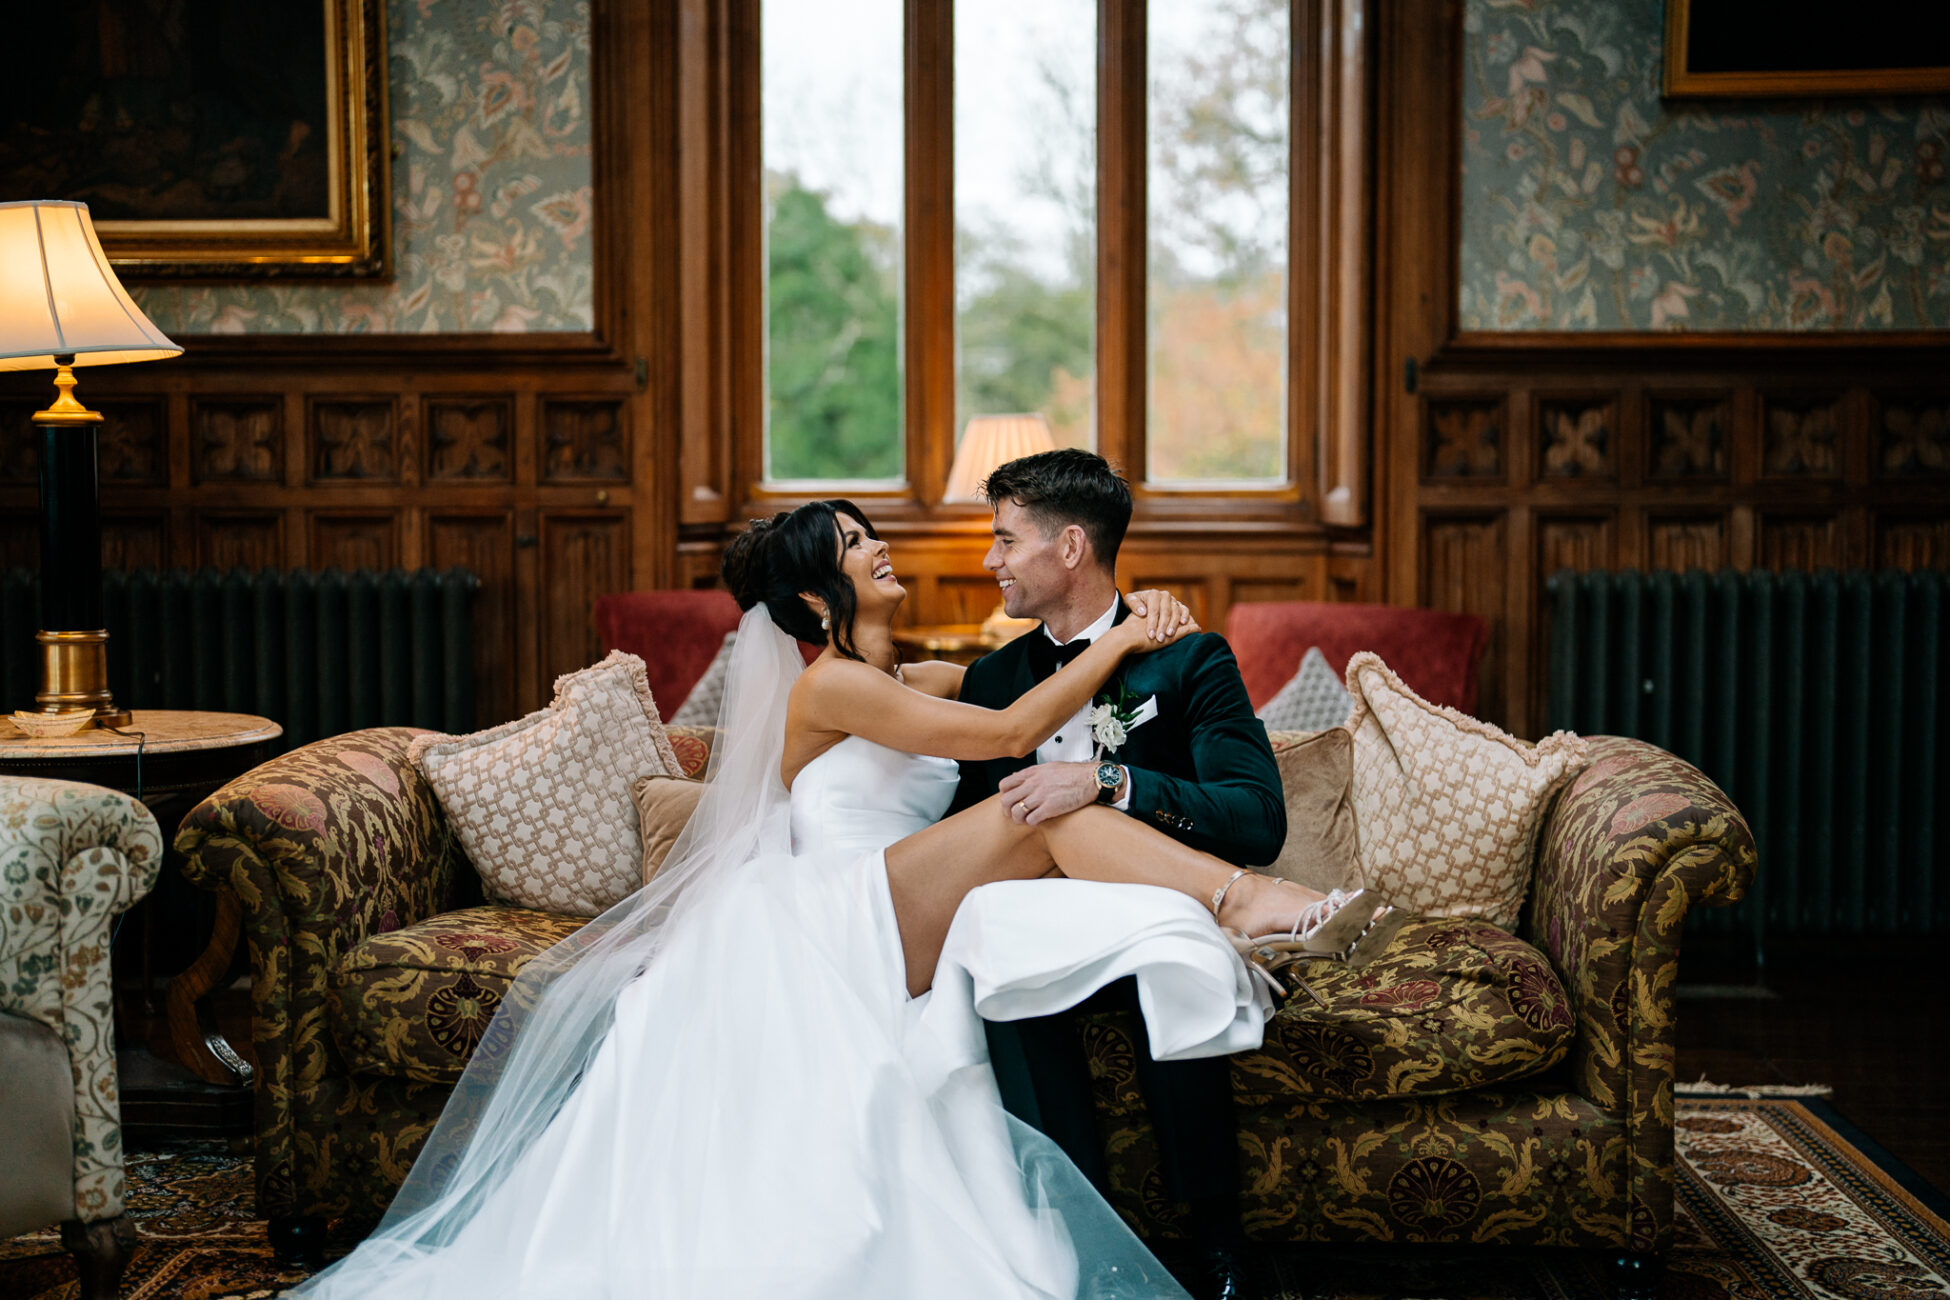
(72, 856)
(1637, 839)
(324, 846)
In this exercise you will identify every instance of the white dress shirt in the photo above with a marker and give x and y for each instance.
(1072, 742)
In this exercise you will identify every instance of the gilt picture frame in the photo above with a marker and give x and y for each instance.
(220, 140)
(1747, 49)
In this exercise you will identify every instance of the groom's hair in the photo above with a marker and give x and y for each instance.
(1067, 486)
(795, 551)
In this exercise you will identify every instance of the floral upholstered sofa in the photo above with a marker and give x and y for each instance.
(1472, 1085)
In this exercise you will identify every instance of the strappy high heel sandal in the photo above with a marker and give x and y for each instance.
(1337, 928)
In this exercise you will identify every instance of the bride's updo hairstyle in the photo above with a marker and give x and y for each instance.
(792, 552)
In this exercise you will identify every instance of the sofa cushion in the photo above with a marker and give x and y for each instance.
(1452, 1005)
(1316, 776)
(413, 1003)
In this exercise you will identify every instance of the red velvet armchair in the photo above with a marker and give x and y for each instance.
(1436, 653)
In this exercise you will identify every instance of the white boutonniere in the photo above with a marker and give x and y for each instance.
(1112, 720)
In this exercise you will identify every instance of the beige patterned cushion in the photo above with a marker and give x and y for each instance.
(542, 805)
(1446, 807)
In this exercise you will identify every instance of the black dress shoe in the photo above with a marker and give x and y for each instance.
(1218, 1276)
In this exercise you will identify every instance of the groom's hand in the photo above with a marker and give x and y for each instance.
(1036, 794)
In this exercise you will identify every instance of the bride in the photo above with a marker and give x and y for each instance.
(764, 1074)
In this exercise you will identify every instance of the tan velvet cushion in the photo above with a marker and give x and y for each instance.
(541, 805)
(1316, 771)
(1446, 807)
(664, 805)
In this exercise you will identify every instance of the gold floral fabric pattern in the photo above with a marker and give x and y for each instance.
(1637, 840)
(1446, 807)
(72, 857)
(542, 804)
(383, 858)
(1451, 1006)
(414, 1003)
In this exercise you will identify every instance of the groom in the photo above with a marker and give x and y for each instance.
(1200, 770)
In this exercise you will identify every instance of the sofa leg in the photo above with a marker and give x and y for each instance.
(298, 1241)
(101, 1251)
(1635, 1275)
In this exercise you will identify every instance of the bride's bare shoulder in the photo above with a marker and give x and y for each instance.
(934, 677)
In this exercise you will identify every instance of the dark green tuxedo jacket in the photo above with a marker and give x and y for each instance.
(1201, 771)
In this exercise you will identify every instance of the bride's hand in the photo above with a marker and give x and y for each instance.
(1157, 620)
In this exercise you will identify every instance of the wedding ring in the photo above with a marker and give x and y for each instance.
(1020, 804)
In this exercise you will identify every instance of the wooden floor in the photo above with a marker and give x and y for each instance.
(1870, 1019)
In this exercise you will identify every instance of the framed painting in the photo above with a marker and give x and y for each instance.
(1756, 49)
(210, 139)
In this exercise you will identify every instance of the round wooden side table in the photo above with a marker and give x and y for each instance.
(170, 759)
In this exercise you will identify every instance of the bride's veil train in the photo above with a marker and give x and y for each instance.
(555, 1018)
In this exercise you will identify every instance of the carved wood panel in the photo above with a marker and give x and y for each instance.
(583, 556)
(353, 439)
(1687, 542)
(1464, 568)
(135, 541)
(1801, 542)
(584, 441)
(354, 541)
(131, 441)
(1800, 436)
(1689, 438)
(470, 439)
(237, 439)
(1916, 542)
(1913, 437)
(251, 541)
(1463, 438)
(1578, 439)
(484, 544)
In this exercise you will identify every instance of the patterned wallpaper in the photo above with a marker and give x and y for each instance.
(491, 188)
(1590, 204)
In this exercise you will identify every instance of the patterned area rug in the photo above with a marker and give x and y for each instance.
(1778, 1200)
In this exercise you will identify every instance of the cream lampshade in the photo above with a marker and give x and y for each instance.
(60, 307)
(991, 441)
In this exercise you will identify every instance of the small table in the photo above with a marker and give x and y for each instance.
(958, 643)
(181, 758)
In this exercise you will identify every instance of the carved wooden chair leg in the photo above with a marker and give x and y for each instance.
(101, 1251)
(298, 1240)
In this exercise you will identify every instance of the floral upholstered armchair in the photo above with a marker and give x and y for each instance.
(72, 857)
(1471, 1085)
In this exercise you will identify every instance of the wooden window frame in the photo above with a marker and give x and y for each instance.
(721, 273)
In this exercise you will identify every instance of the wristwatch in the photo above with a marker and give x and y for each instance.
(1109, 777)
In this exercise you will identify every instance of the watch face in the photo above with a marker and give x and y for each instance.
(1109, 776)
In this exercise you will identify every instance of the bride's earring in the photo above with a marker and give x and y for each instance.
(825, 623)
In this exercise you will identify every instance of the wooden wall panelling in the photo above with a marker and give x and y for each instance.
(135, 540)
(236, 539)
(1464, 567)
(353, 439)
(1913, 542)
(237, 439)
(582, 555)
(484, 543)
(353, 541)
(469, 438)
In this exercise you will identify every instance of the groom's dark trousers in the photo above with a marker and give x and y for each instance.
(1202, 772)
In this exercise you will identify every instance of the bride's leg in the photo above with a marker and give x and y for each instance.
(930, 872)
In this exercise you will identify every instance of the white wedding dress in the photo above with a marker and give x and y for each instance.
(768, 1114)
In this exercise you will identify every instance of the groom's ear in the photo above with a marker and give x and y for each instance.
(1076, 546)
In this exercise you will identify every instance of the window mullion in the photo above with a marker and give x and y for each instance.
(929, 288)
(1121, 235)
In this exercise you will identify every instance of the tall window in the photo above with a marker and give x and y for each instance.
(832, 150)
(1217, 171)
(1026, 213)
(1077, 209)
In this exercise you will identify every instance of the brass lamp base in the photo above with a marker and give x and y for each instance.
(74, 675)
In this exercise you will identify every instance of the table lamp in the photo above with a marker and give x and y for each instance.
(988, 443)
(61, 307)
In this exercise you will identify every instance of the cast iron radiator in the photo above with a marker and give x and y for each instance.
(1816, 700)
(321, 653)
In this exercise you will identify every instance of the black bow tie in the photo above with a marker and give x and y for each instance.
(1045, 656)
